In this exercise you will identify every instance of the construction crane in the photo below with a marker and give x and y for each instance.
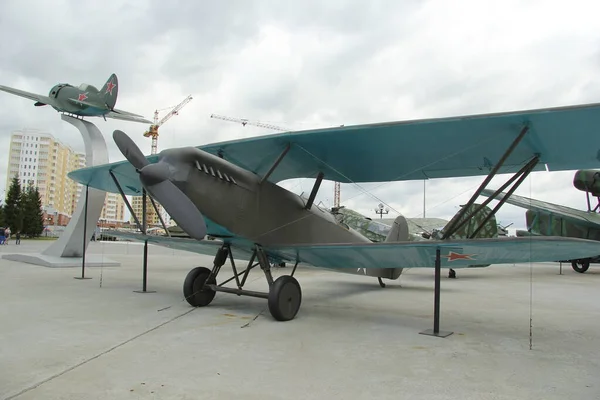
(244, 122)
(153, 130)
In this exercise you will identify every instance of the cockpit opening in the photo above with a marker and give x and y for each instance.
(87, 88)
(54, 91)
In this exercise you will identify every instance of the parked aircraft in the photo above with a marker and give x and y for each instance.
(82, 101)
(377, 231)
(229, 191)
(548, 219)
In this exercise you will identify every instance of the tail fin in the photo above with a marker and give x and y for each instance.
(489, 230)
(399, 230)
(109, 91)
(398, 233)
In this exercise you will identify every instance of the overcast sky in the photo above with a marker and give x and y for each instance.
(305, 65)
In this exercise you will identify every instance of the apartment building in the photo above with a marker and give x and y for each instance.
(36, 157)
(152, 218)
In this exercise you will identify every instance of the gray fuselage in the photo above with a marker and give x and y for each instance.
(262, 212)
(60, 95)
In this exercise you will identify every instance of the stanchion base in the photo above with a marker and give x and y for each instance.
(78, 277)
(144, 291)
(430, 332)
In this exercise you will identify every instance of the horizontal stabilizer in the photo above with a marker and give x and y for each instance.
(85, 103)
(127, 117)
(126, 113)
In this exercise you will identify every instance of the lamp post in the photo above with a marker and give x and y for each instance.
(380, 211)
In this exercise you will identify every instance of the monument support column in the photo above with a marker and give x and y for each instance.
(67, 250)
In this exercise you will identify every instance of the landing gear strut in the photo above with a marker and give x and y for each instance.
(284, 296)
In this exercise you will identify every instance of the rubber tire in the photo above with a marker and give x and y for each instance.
(285, 297)
(585, 264)
(192, 284)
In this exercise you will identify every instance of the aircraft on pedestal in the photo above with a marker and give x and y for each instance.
(229, 191)
(82, 101)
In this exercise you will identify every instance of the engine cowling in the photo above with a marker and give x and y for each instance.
(588, 180)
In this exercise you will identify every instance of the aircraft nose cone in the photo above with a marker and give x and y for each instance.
(153, 174)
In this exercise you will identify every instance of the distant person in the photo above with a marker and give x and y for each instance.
(7, 234)
(2, 235)
(18, 237)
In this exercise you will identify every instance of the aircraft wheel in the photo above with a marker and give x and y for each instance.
(192, 287)
(580, 265)
(285, 297)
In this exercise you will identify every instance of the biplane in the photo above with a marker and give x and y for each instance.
(548, 219)
(229, 191)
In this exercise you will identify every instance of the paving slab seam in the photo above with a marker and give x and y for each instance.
(34, 386)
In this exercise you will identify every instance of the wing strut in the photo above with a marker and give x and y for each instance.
(315, 189)
(276, 163)
(524, 172)
(162, 222)
(521, 174)
(453, 228)
(135, 218)
(141, 227)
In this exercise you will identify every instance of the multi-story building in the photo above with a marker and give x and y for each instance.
(152, 218)
(114, 209)
(39, 159)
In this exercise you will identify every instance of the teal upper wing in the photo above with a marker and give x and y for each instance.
(421, 149)
(589, 219)
(28, 95)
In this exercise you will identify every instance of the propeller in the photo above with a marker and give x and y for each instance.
(155, 179)
(129, 149)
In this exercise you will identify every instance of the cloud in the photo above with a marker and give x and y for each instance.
(304, 65)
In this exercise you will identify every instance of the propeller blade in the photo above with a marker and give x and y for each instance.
(129, 149)
(178, 205)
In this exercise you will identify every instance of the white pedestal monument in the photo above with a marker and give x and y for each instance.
(68, 250)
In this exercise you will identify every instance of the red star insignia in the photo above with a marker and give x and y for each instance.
(452, 256)
(82, 97)
(109, 87)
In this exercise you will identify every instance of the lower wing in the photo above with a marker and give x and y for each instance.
(42, 100)
(454, 253)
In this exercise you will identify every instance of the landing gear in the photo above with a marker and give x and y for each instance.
(580, 265)
(195, 287)
(284, 296)
(380, 282)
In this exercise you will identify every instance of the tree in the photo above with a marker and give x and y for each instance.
(13, 213)
(2, 220)
(33, 217)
